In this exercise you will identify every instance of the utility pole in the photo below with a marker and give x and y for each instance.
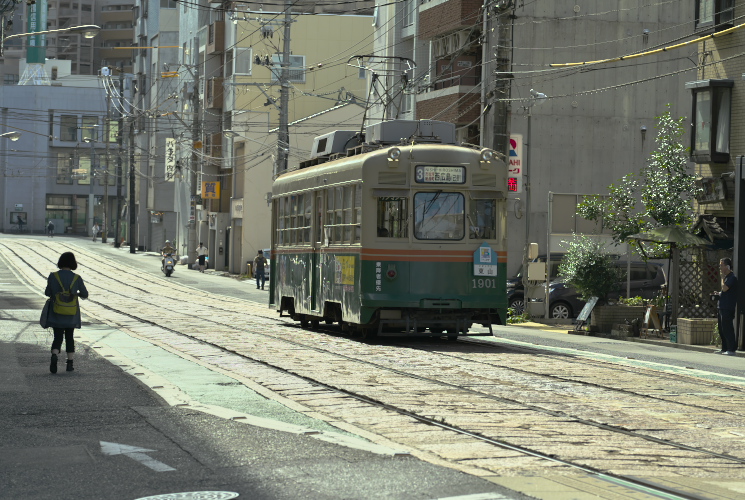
(106, 214)
(196, 136)
(132, 206)
(283, 143)
(497, 123)
(119, 170)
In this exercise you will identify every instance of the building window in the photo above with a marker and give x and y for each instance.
(10, 79)
(714, 15)
(90, 128)
(68, 128)
(168, 4)
(297, 68)
(64, 169)
(242, 61)
(712, 110)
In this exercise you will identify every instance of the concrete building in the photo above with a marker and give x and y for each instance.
(46, 174)
(596, 123)
(86, 56)
(230, 60)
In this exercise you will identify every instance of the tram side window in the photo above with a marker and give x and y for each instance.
(342, 219)
(482, 220)
(392, 220)
(439, 216)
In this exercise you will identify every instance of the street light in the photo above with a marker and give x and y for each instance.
(13, 136)
(87, 30)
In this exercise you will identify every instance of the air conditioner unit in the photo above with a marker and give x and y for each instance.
(337, 141)
(396, 131)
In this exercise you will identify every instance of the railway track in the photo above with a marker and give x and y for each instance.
(482, 408)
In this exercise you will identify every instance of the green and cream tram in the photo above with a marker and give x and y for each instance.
(392, 239)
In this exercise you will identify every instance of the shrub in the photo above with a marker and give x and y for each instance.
(589, 269)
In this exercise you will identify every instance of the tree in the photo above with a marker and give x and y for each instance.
(588, 268)
(664, 185)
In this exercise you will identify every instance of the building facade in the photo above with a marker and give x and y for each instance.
(57, 170)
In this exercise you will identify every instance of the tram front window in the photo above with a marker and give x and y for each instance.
(482, 220)
(392, 217)
(439, 216)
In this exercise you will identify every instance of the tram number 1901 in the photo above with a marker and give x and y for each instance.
(484, 283)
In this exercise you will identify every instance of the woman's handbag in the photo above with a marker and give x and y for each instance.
(43, 319)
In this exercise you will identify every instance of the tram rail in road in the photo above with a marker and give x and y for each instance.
(404, 369)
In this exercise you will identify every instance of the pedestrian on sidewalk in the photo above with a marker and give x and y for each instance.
(50, 229)
(727, 303)
(259, 263)
(95, 230)
(202, 256)
(63, 325)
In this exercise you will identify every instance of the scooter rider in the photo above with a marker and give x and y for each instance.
(167, 249)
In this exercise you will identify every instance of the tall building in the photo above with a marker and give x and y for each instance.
(491, 68)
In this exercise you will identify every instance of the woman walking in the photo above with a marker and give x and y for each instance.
(64, 321)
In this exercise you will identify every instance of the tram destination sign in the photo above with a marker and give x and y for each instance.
(432, 174)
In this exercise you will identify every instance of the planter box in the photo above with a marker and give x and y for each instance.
(604, 317)
(696, 331)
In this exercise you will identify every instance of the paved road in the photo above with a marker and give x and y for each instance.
(200, 386)
(95, 433)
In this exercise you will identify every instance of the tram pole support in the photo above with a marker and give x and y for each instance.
(283, 142)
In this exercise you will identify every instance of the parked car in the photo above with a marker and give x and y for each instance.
(515, 290)
(647, 279)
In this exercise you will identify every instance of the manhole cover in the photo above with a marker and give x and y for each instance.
(194, 495)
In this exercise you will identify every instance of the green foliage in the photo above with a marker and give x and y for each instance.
(665, 187)
(589, 269)
(631, 301)
(513, 318)
(715, 338)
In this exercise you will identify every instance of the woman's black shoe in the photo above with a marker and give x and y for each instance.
(69, 366)
(53, 364)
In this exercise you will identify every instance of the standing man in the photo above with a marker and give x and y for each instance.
(50, 229)
(259, 263)
(727, 303)
(20, 224)
(95, 230)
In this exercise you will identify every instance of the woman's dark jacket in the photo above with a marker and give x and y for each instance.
(59, 320)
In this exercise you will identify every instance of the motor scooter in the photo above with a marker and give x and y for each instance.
(169, 265)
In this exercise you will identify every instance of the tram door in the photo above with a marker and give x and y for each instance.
(315, 276)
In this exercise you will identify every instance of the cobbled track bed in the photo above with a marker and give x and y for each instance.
(625, 421)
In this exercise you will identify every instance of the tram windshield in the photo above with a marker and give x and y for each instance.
(482, 219)
(439, 216)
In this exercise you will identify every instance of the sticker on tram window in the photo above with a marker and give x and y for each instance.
(431, 174)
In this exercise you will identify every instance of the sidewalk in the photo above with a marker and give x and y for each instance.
(652, 339)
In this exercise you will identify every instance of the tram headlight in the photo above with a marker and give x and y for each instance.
(487, 155)
(394, 154)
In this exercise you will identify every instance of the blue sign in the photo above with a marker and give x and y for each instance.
(484, 261)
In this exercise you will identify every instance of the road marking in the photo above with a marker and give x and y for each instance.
(478, 496)
(135, 453)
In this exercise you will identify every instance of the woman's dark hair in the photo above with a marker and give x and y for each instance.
(67, 259)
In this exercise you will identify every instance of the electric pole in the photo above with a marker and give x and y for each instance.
(283, 143)
(132, 205)
(106, 212)
(119, 170)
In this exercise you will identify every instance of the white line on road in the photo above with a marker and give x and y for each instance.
(135, 453)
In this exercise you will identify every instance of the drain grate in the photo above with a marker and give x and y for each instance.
(194, 495)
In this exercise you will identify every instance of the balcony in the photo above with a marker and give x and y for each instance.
(445, 17)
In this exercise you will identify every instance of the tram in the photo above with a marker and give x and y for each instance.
(392, 236)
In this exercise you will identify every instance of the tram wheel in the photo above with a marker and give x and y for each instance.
(452, 337)
(304, 322)
(314, 324)
(436, 331)
(329, 321)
